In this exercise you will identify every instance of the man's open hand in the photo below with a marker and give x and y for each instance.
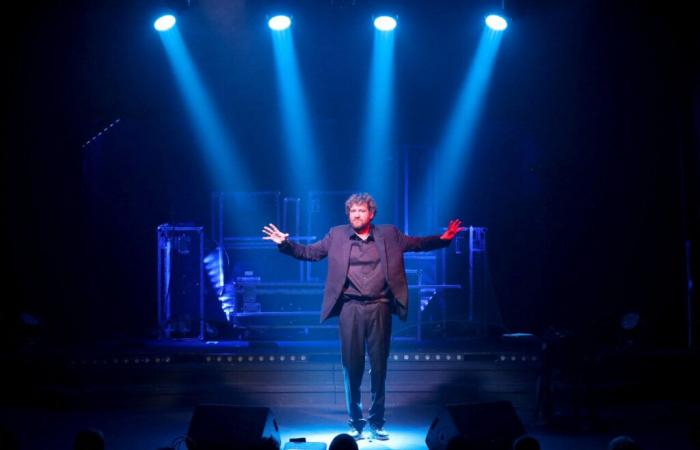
(452, 229)
(273, 234)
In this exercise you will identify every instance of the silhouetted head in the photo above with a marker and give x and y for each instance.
(526, 443)
(343, 442)
(460, 442)
(623, 443)
(8, 439)
(89, 440)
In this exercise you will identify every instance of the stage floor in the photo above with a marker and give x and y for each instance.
(141, 394)
(280, 373)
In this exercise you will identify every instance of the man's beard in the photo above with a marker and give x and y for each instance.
(359, 227)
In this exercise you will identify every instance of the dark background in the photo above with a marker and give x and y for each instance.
(584, 167)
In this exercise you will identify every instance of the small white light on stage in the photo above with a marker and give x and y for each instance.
(157, 359)
(293, 358)
(437, 357)
(167, 359)
(459, 357)
(261, 358)
(125, 361)
(92, 139)
(448, 357)
(416, 357)
(496, 22)
(137, 360)
(272, 358)
(396, 357)
(164, 23)
(524, 358)
(630, 321)
(218, 359)
(427, 357)
(303, 357)
(250, 359)
(240, 359)
(229, 358)
(279, 23)
(405, 357)
(385, 23)
(282, 358)
(502, 358)
(207, 359)
(513, 358)
(147, 360)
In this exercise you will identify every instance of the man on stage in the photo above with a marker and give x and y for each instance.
(366, 283)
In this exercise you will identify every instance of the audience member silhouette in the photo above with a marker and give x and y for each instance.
(266, 443)
(694, 435)
(526, 443)
(89, 439)
(343, 441)
(464, 442)
(460, 442)
(623, 443)
(8, 439)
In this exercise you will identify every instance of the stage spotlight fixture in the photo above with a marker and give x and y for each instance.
(385, 23)
(496, 22)
(279, 23)
(164, 22)
(167, 13)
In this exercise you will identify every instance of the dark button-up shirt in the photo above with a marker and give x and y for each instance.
(366, 278)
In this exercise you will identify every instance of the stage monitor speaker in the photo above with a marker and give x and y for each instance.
(481, 426)
(230, 427)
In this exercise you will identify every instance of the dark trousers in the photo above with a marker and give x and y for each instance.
(365, 325)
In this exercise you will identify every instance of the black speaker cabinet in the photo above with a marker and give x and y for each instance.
(482, 426)
(230, 427)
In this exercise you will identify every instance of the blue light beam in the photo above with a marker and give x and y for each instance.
(299, 142)
(377, 141)
(219, 149)
(452, 154)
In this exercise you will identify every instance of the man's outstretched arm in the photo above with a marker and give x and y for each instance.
(313, 252)
(428, 243)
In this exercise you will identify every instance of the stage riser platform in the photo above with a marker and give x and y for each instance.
(94, 383)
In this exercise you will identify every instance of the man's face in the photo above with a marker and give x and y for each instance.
(360, 216)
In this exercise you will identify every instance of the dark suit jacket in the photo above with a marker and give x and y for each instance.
(392, 244)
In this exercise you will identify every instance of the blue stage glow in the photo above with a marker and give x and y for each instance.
(279, 23)
(496, 22)
(219, 148)
(299, 139)
(408, 427)
(164, 23)
(385, 23)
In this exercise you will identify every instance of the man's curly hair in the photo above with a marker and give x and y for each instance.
(361, 197)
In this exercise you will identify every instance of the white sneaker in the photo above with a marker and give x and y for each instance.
(379, 433)
(355, 433)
